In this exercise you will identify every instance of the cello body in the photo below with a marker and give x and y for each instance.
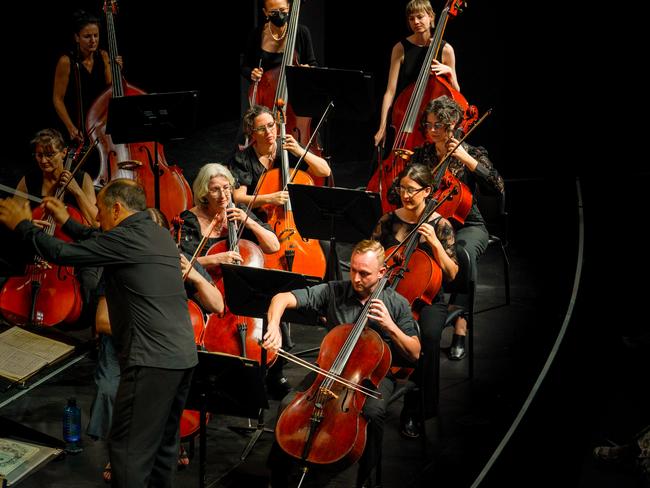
(296, 254)
(340, 434)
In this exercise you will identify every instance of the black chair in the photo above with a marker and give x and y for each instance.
(493, 210)
(463, 284)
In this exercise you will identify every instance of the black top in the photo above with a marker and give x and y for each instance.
(147, 304)
(190, 233)
(413, 59)
(34, 184)
(304, 51)
(93, 83)
(485, 176)
(339, 304)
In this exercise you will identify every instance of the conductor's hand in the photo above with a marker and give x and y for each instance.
(57, 209)
(12, 212)
(272, 340)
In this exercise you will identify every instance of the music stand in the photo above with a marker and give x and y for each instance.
(248, 292)
(158, 117)
(312, 89)
(334, 214)
(226, 384)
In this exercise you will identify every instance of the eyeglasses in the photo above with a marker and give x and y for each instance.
(411, 191)
(220, 190)
(265, 128)
(48, 155)
(438, 125)
(284, 10)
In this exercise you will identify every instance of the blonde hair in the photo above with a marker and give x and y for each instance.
(202, 181)
(415, 6)
(368, 245)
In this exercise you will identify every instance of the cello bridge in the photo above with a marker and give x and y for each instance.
(403, 153)
(328, 392)
(129, 164)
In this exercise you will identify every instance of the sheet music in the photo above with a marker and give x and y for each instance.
(22, 353)
(13, 454)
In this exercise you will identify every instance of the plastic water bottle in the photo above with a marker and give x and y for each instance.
(72, 427)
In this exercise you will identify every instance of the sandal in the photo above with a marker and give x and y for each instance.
(107, 473)
(183, 458)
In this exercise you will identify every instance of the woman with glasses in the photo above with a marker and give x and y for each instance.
(408, 55)
(213, 191)
(437, 239)
(48, 175)
(473, 167)
(263, 154)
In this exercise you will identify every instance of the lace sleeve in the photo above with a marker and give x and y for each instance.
(447, 237)
(486, 175)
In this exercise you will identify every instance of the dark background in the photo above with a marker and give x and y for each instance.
(195, 45)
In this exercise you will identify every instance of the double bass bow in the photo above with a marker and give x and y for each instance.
(165, 186)
(408, 108)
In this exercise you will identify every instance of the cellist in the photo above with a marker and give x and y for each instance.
(407, 57)
(43, 179)
(341, 302)
(438, 241)
(469, 164)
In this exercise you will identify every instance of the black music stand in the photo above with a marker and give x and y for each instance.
(249, 292)
(334, 214)
(158, 117)
(226, 384)
(312, 89)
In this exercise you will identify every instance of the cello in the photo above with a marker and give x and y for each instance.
(47, 294)
(408, 109)
(296, 253)
(324, 424)
(143, 162)
(273, 87)
(231, 333)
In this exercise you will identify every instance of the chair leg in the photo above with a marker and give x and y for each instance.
(506, 272)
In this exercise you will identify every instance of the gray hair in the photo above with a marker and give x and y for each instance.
(202, 180)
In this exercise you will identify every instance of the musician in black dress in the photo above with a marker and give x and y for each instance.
(436, 238)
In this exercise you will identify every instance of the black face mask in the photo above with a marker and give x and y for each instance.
(279, 19)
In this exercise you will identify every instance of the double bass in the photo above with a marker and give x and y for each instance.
(296, 253)
(408, 109)
(230, 333)
(273, 87)
(47, 294)
(143, 162)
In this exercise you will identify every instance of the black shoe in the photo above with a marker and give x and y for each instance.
(457, 349)
(409, 428)
(277, 386)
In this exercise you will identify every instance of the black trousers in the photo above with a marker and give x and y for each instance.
(281, 464)
(144, 436)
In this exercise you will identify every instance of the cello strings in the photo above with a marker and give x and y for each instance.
(332, 376)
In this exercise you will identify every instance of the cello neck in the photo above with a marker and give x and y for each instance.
(110, 9)
(289, 49)
(233, 237)
(284, 155)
